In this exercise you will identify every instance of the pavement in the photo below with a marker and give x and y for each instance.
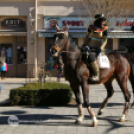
(60, 120)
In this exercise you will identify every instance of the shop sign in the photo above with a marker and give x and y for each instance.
(13, 23)
(73, 22)
(83, 22)
(120, 24)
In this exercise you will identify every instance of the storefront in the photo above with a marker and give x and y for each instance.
(13, 45)
(77, 30)
(27, 32)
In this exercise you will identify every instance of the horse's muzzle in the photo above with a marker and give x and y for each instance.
(54, 52)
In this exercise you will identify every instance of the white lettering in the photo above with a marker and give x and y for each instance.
(11, 22)
(6, 22)
(18, 21)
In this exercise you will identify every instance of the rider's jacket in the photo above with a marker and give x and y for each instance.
(98, 37)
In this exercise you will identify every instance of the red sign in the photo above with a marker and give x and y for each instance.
(53, 23)
(125, 23)
(73, 23)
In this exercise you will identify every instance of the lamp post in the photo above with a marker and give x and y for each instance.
(35, 42)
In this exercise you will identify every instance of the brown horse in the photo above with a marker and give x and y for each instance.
(77, 73)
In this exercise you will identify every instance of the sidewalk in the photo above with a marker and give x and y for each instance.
(23, 80)
(60, 120)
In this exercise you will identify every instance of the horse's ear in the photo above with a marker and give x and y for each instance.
(57, 27)
(66, 28)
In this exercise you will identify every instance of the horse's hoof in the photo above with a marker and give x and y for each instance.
(78, 122)
(132, 105)
(100, 113)
(122, 120)
(95, 124)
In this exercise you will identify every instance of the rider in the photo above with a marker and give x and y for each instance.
(98, 33)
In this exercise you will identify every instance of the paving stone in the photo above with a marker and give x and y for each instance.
(60, 120)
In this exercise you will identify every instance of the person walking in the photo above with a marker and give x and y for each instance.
(60, 69)
(3, 70)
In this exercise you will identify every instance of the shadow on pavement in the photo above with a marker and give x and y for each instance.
(60, 120)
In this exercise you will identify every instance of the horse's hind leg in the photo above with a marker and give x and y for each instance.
(110, 92)
(77, 93)
(122, 81)
(131, 78)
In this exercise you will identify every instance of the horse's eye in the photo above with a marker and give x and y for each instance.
(61, 36)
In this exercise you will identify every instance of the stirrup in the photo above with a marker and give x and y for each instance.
(94, 78)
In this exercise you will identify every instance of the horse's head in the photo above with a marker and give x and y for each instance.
(61, 38)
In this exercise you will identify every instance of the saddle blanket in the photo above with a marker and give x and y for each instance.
(103, 62)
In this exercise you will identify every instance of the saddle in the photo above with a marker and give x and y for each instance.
(103, 61)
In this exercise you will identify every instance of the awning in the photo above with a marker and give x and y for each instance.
(81, 33)
(13, 33)
(120, 35)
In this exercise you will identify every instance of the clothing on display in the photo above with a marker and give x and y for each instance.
(9, 52)
(9, 60)
(3, 52)
(9, 55)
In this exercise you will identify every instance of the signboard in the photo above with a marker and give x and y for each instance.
(120, 24)
(73, 22)
(114, 24)
(12, 23)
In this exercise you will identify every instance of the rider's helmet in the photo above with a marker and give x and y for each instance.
(99, 18)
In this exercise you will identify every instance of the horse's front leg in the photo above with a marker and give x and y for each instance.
(85, 91)
(77, 93)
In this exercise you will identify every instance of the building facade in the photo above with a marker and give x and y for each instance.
(27, 32)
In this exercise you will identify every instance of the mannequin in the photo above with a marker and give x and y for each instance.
(3, 54)
(9, 55)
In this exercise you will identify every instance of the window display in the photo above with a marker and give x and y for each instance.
(51, 61)
(22, 55)
(9, 55)
(6, 53)
(125, 41)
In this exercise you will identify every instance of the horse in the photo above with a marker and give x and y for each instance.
(77, 73)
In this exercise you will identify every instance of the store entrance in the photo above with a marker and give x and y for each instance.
(21, 66)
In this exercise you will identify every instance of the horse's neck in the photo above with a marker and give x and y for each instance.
(71, 52)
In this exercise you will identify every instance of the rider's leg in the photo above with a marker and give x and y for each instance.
(94, 66)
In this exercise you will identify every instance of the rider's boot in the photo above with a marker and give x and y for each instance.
(95, 68)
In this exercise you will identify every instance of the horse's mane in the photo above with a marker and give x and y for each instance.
(73, 44)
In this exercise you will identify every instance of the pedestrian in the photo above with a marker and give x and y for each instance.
(59, 71)
(0, 88)
(3, 70)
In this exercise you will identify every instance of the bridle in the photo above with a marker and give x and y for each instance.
(61, 45)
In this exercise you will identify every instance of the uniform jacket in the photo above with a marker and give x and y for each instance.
(98, 37)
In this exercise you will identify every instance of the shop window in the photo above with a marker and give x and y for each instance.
(6, 53)
(124, 42)
(22, 54)
(51, 61)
